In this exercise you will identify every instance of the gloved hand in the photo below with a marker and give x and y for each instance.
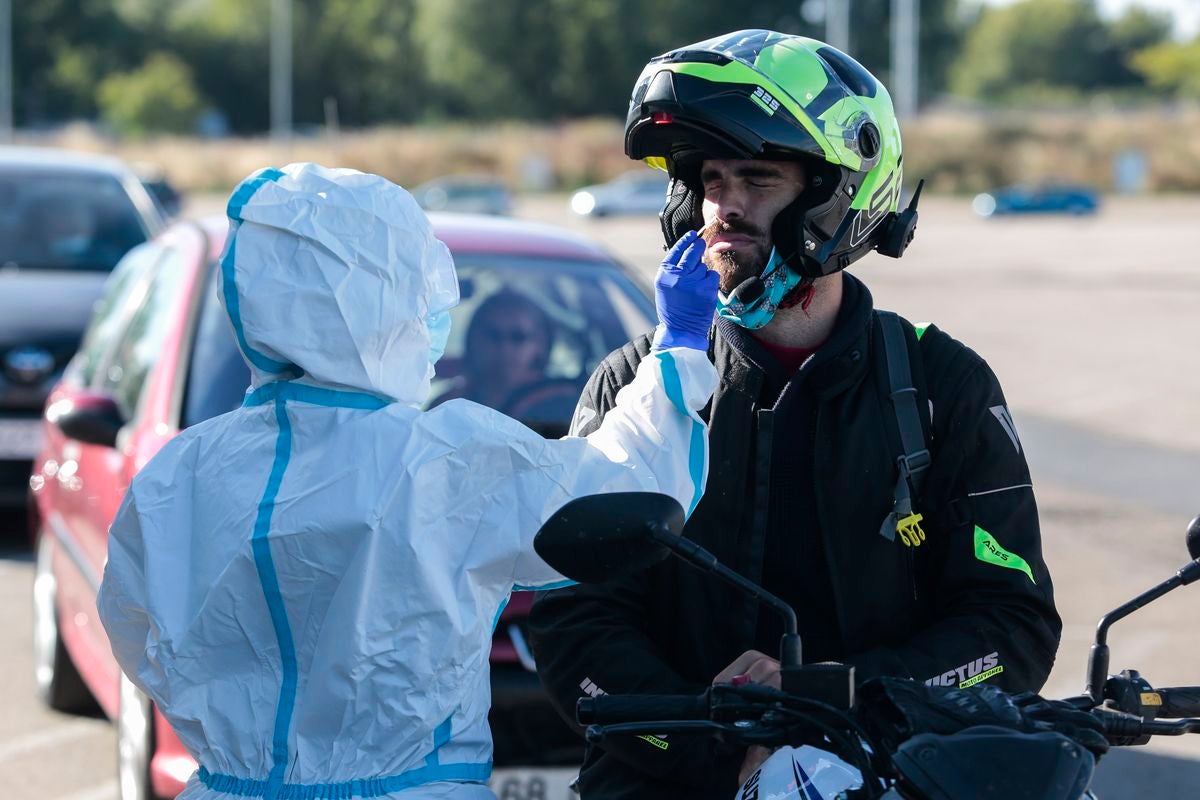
(894, 710)
(685, 293)
(1062, 717)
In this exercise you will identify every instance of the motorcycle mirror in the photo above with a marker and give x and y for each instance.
(605, 536)
(1193, 538)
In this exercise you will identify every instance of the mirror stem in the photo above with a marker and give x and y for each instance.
(1098, 657)
(697, 556)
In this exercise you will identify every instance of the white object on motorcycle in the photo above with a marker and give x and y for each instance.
(800, 773)
(307, 586)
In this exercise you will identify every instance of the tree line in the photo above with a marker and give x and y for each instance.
(145, 66)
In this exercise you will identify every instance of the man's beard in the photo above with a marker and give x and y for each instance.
(735, 266)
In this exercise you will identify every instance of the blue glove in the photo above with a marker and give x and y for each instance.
(685, 293)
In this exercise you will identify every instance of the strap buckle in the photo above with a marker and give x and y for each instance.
(912, 463)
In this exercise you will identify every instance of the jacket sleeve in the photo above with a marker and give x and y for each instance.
(653, 440)
(591, 639)
(983, 575)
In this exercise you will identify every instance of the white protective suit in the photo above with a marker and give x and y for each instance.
(307, 586)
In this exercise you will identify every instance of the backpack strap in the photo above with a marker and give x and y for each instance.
(914, 460)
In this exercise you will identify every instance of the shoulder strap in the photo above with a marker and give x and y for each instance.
(914, 459)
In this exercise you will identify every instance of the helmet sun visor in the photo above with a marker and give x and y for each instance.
(682, 117)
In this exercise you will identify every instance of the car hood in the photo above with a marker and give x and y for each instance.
(45, 305)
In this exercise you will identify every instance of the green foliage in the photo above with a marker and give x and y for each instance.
(158, 97)
(60, 48)
(1053, 46)
(1173, 67)
(406, 61)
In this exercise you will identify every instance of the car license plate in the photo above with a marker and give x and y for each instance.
(534, 783)
(20, 439)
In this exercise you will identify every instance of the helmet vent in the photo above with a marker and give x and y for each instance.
(868, 141)
(853, 74)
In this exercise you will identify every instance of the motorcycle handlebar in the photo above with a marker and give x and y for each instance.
(610, 709)
(1124, 729)
(1179, 701)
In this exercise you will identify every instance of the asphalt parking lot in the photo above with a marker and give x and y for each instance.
(1091, 325)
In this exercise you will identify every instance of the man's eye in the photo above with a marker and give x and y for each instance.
(762, 184)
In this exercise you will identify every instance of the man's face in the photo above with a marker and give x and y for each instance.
(512, 345)
(741, 199)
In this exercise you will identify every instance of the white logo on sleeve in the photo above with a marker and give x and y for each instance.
(1006, 421)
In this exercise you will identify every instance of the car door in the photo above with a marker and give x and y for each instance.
(100, 475)
(57, 483)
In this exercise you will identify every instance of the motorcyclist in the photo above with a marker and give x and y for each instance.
(307, 586)
(786, 153)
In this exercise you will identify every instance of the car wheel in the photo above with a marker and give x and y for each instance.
(58, 681)
(135, 743)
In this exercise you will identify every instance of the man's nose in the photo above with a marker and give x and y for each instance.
(730, 205)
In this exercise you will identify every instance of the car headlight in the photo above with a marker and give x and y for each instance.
(984, 205)
(583, 203)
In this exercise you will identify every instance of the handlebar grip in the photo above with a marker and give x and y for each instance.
(611, 709)
(1179, 701)
(1121, 729)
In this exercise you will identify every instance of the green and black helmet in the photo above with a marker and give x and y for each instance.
(767, 95)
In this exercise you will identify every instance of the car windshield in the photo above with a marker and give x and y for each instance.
(52, 220)
(524, 339)
(529, 332)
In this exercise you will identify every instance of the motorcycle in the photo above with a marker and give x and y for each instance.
(888, 739)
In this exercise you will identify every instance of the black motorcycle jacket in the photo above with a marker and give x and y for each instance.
(802, 472)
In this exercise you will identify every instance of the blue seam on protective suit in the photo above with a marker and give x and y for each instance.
(556, 585)
(243, 193)
(265, 564)
(499, 612)
(228, 281)
(441, 735)
(674, 389)
(362, 787)
(314, 395)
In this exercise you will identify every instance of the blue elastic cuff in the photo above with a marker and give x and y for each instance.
(665, 338)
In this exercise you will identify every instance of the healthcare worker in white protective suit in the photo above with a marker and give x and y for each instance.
(307, 586)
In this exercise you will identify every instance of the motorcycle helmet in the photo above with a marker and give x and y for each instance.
(766, 95)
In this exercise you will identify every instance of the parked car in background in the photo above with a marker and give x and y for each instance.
(638, 192)
(540, 308)
(166, 196)
(465, 194)
(65, 221)
(1047, 199)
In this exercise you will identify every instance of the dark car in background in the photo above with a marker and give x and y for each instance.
(166, 196)
(540, 308)
(1046, 199)
(65, 221)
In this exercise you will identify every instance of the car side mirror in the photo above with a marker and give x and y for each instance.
(91, 418)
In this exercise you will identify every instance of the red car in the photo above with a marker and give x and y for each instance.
(540, 308)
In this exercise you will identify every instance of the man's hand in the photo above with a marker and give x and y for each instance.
(755, 756)
(751, 667)
(685, 294)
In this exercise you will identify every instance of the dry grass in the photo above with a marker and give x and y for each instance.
(956, 151)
